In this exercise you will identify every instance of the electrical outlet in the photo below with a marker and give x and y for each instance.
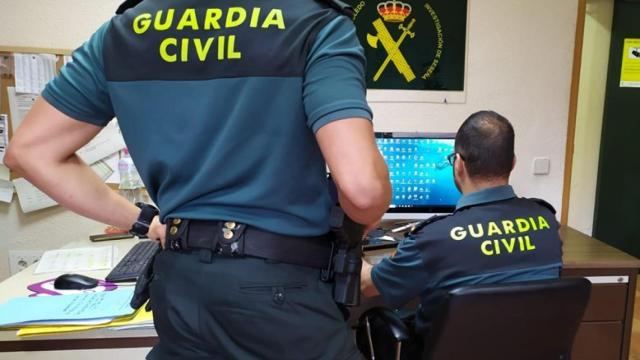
(22, 259)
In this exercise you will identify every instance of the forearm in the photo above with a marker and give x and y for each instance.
(367, 286)
(43, 151)
(367, 203)
(358, 169)
(75, 186)
(362, 215)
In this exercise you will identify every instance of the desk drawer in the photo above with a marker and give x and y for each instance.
(606, 303)
(598, 341)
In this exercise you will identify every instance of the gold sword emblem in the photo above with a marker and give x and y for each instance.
(392, 48)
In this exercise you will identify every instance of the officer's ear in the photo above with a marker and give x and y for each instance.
(459, 166)
(513, 166)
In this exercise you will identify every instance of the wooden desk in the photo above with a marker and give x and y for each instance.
(604, 333)
(94, 339)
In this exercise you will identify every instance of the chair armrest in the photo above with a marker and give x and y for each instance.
(391, 320)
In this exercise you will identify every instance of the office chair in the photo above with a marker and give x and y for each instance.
(534, 320)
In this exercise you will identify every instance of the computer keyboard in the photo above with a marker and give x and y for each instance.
(134, 262)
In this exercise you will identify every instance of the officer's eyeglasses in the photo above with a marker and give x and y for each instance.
(451, 158)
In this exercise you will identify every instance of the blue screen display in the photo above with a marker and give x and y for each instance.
(419, 171)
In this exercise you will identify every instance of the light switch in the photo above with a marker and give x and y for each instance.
(541, 166)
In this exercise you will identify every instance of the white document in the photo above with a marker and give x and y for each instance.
(102, 169)
(31, 198)
(19, 105)
(5, 174)
(79, 259)
(112, 162)
(107, 142)
(33, 72)
(4, 138)
(6, 191)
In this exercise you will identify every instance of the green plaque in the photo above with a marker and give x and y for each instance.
(413, 45)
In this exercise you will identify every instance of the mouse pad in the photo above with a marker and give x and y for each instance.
(46, 288)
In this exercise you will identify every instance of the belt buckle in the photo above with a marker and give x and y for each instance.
(229, 243)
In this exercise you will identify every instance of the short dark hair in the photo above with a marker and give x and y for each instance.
(485, 142)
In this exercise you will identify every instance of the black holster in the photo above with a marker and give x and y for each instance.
(346, 260)
(141, 293)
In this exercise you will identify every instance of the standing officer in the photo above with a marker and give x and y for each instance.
(492, 236)
(230, 110)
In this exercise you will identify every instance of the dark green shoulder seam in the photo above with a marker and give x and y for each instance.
(543, 204)
(429, 221)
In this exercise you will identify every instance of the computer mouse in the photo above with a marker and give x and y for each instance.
(74, 282)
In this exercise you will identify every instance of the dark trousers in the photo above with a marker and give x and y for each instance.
(212, 307)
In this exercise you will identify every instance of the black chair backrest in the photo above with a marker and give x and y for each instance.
(529, 320)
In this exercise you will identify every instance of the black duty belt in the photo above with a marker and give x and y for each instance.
(234, 239)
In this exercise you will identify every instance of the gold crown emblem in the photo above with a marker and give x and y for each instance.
(394, 11)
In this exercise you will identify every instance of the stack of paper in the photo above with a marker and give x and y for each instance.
(79, 309)
(141, 319)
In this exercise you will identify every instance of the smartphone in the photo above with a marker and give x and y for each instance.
(107, 237)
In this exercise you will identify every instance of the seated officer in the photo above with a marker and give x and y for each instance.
(492, 236)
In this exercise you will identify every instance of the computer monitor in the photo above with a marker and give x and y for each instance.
(421, 177)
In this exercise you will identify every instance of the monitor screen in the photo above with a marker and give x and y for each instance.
(420, 175)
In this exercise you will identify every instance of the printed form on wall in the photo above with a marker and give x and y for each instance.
(6, 187)
(19, 105)
(4, 138)
(4, 141)
(33, 72)
(30, 197)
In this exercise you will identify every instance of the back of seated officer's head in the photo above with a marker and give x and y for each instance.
(484, 155)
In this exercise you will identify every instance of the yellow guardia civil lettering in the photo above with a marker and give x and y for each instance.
(508, 246)
(169, 50)
(190, 19)
(173, 49)
(505, 236)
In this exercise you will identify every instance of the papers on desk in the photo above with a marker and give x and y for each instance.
(79, 259)
(6, 191)
(112, 163)
(108, 141)
(31, 198)
(103, 170)
(92, 306)
(4, 173)
(141, 319)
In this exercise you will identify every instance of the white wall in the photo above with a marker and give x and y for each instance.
(57, 24)
(520, 58)
(593, 78)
